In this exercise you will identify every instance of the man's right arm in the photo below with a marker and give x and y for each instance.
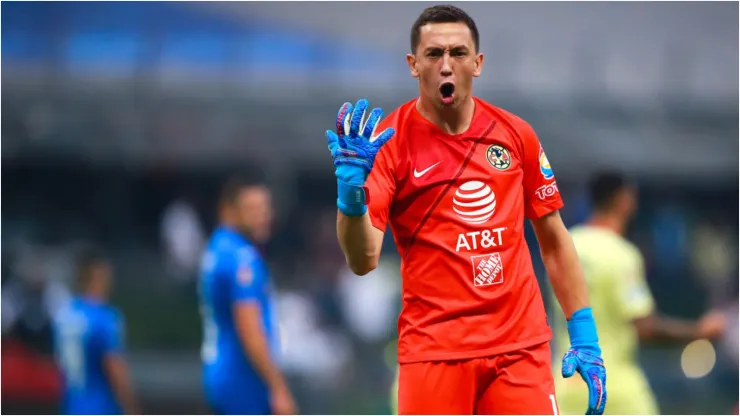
(638, 305)
(365, 183)
(656, 327)
(360, 241)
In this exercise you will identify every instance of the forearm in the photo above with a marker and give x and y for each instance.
(121, 385)
(657, 327)
(360, 242)
(565, 273)
(127, 397)
(258, 353)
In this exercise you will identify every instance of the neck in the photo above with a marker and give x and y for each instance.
(452, 120)
(226, 222)
(93, 295)
(242, 232)
(609, 221)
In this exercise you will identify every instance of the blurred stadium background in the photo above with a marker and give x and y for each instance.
(120, 120)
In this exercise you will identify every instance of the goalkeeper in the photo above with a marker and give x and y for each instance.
(455, 184)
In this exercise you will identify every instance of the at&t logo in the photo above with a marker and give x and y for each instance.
(474, 202)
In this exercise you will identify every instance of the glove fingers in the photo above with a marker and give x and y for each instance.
(384, 137)
(332, 141)
(343, 119)
(569, 365)
(342, 142)
(357, 115)
(372, 122)
(596, 394)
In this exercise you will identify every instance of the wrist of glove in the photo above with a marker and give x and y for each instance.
(354, 148)
(351, 199)
(582, 331)
(584, 357)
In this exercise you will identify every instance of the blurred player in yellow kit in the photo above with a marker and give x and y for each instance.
(621, 300)
(394, 395)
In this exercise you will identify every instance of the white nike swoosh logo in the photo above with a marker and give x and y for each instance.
(418, 174)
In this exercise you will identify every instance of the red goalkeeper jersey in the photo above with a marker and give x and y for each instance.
(456, 206)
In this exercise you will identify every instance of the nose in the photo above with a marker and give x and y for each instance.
(446, 69)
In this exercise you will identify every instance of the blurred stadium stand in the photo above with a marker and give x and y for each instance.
(113, 110)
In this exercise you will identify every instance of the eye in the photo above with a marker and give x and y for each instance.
(434, 53)
(458, 53)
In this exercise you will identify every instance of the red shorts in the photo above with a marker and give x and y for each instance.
(515, 383)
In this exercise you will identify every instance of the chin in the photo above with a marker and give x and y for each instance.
(452, 104)
(261, 237)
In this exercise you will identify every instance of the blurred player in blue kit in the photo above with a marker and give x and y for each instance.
(240, 333)
(88, 341)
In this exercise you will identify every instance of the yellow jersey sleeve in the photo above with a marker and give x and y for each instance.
(633, 295)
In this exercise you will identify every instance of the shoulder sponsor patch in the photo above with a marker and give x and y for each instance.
(546, 191)
(545, 168)
(245, 275)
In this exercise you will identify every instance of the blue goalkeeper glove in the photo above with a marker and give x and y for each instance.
(584, 357)
(353, 148)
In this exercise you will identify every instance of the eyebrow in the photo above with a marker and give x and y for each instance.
(453, 48)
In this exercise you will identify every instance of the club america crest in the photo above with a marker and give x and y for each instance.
(498, 157)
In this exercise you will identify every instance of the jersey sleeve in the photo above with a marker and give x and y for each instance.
(633, 293)
(381, 183)
(541, 194)
(112, 334)
(243, 277)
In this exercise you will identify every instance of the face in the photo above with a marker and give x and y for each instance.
(253, 212)
(101, 276)
(445, 63)
(627, 201)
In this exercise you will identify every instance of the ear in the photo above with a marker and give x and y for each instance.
(411, 61)
(478, 65)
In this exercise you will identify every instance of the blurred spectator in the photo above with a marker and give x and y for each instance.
(731, 341)
(371, 303)
(713, 257)
(30, 298)
(30, 381)
(320, 354)
(183, 237)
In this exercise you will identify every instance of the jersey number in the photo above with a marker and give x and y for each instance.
(208, 351)
(554, 404)
(72, 357)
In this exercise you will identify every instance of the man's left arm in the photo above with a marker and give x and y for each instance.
(115, 366)
(542, 201)
(245, 285)
(561, 262)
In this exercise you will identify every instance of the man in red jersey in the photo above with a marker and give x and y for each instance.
(455, 185)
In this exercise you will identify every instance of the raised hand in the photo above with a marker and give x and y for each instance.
(354, 147)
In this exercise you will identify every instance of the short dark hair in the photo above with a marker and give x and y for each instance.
(604, 186)
(443, 14)
(236, 183)
(87, 258)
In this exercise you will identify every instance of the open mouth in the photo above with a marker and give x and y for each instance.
(448, 92)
